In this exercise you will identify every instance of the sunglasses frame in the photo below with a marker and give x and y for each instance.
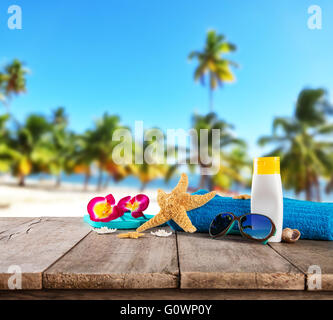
(238, 219)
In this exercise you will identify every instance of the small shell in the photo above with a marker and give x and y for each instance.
(290, 236)
(161, 233)
(104, 230)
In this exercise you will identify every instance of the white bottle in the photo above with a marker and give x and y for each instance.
(266, 193)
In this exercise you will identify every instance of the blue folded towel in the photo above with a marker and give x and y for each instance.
(313, 219)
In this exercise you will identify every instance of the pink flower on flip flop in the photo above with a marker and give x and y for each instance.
(136, 205)
(102, 209)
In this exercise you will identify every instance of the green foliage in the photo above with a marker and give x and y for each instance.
(97, 145)
(304, 143)
(232, 156)
(5, 152)
(45, 144)
(235, 169)
(228, 172)
(55, 148)
(212, 63)
(312, 106)
(153, 162)
(12, 80)
(25, 144)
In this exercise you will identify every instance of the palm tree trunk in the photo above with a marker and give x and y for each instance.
(58, 180)
(205, 180)
(100, 179)
(308, 191)
(202, 181)
(143, 186)
(22, 180)
(317, 186)
(329, 186)
(210, 183)
(86, 181)
(210, 99)
(107, 181)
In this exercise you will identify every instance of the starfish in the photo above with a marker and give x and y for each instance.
(131, 235)
(174, 206)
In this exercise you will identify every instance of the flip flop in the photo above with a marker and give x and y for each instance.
(127, 214)
(124, 222)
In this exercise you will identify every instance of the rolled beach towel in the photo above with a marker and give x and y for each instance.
(313, 219)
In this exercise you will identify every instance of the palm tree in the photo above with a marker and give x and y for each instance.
(303, 143)
(148, 172)
(99, 143)
(235, 169)
(211, 122)
(5, 152)
(12, 81)
(24, 146)
(82, 157)
(55, 147)
(152, 167)
(116, 171)
(212, 63)
(61, 142)
(329, 186)
(59, 117)
(2, 85)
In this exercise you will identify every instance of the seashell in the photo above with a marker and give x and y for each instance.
(104, 230)
(290, 235)
(161, 233)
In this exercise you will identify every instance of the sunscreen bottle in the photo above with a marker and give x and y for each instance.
(266, 193)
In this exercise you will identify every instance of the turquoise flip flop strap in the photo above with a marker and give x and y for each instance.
(124, 222)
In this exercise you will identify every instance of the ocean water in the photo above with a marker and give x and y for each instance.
(194, 180)
(129, 181)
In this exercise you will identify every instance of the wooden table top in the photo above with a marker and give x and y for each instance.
(64, 254)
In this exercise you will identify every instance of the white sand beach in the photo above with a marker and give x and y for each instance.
(41, 198)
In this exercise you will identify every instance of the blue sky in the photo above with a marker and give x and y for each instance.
(130, 58)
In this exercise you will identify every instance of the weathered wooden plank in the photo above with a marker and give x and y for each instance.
(306, 253)
(7, 223)
(107, 262)
(34, 244)
(165, 294)
(233, 263)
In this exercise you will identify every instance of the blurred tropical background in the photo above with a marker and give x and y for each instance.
(76, 73)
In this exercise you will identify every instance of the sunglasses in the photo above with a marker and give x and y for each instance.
(253, 226)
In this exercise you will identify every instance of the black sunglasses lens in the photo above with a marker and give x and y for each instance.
(256, 226)
(220, 223)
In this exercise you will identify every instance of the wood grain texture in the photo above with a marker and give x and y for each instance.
(34, 244)
(306, 253)
(7, 223)
(107, 262)
(233, 263)
(165, 294)
(50, 251)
